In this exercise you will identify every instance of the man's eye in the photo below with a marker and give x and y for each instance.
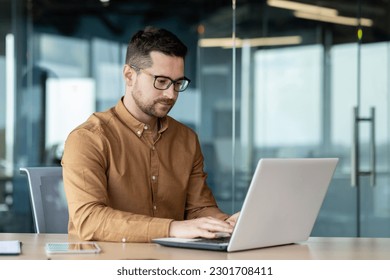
(162, 81)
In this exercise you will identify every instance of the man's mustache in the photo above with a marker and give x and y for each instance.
(165, 101)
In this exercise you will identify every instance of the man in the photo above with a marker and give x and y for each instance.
(133, 173)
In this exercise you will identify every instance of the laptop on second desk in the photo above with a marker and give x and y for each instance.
(281, 206)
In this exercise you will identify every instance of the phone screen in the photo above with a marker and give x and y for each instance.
(73, 247)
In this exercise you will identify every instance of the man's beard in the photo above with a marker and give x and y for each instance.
(151, 109)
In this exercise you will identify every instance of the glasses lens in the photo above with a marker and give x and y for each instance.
(181, 85)
(162, 83)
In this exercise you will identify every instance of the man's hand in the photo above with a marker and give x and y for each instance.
(233, 219)
(206, 227)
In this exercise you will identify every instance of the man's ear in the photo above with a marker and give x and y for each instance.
(128, 75)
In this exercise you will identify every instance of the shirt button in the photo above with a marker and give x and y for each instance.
(146, 127)
(154, 178)
(154, 207)
(139, 132)
(123, 240)
(153, 148)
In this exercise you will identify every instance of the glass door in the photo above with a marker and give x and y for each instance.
(314, 83)
(358, 201)
(374, 138)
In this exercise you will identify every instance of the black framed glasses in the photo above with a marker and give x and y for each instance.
(163, 83)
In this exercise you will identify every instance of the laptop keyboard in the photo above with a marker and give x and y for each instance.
(218, 240)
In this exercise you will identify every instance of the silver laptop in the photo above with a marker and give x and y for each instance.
(281, 206)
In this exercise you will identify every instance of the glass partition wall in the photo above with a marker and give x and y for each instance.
(313, 82)
(270, 78)
(6, 54)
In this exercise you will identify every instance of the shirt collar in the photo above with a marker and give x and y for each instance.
(135, 125)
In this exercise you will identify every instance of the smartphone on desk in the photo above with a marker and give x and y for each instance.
(72, 248)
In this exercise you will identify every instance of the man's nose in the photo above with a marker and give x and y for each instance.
(170, 92)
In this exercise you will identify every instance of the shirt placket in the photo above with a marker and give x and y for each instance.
(154, 177)
(154, 168)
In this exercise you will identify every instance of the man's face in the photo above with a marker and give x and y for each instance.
(149, 100)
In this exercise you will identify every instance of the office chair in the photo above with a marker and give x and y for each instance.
(48, 201)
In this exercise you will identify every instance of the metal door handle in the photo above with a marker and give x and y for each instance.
(373, 149)
(355, 153)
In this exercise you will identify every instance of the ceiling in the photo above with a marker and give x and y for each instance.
(253, 17)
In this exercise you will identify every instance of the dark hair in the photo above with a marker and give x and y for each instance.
(153, 39)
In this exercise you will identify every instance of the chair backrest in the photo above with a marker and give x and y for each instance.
(48, 201)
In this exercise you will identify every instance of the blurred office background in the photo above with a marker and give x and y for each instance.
(270, 78)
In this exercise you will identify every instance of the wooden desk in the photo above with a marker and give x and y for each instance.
(316, 248)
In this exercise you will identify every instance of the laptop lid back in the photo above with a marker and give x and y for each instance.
(282, 203)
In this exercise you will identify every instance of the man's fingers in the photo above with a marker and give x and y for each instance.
(215, 225)
(203, 227)
(233, 219)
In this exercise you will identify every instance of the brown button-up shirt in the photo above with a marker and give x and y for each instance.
(121, 185)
